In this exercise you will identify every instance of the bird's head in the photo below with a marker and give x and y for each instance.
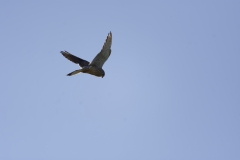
(103, 74)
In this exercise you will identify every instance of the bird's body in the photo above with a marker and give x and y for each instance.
(95, 67)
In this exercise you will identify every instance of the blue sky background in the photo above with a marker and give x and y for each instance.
(171, 89)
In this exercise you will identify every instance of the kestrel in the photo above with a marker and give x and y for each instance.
(95, 67)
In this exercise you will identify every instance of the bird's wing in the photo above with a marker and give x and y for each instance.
(75, 59)
(102, 57)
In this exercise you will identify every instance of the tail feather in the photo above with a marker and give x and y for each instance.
(74, 72)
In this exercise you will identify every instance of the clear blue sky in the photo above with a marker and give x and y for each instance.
(171, 89)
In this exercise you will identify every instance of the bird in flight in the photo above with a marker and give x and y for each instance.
(95, 67)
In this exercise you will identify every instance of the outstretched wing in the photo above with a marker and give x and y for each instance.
(102, 57)
(75, 59)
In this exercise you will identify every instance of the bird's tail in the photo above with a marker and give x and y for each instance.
(74, 72)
